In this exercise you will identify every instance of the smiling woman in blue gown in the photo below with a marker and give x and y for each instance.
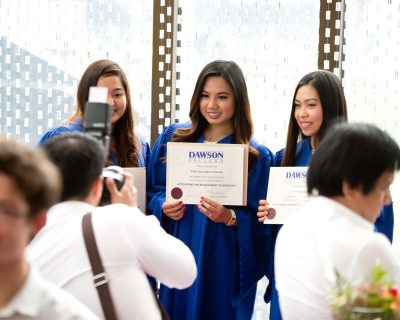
(318, 102)
(229, 244)
(127, 148)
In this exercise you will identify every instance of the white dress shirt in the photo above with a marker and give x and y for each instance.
(324, 237)
(40, 299)
(130, 244)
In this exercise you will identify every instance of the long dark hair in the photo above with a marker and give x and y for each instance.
(334, 108)
(125, 144)
(242, 123)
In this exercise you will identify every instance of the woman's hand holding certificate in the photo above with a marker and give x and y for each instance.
(265, 211)
(214, 211)
(210, 208)
(174, 210)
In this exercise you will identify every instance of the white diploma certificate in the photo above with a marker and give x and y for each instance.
(139, 181)
(216, 171)
(287, 192)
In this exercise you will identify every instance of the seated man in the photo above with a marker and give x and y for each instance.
(29, 184)
(350, 174)
(131, 245)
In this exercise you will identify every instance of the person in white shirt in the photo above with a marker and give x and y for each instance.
(29, 184)
(348, 178)
(131, 245)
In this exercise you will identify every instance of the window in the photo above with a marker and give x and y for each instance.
(46, 45)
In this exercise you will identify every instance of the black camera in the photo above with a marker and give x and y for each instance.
(97, 123)
(115, 173)
(97, 119)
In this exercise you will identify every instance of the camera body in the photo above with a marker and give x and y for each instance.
(97, 119)
(114, 172)
(97, 123)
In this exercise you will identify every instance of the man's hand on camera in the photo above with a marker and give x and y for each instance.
(127, 194)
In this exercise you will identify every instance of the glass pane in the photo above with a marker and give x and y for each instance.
(45, 45)
(274, 42)
(371, 71)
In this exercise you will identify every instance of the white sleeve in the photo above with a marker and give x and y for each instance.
(377, 250)
(161, 255)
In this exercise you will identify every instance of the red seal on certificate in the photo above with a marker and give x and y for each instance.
(176, 193)
(271, 213)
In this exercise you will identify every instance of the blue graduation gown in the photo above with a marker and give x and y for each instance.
(383, 224)
(77, 125)
(230, 260)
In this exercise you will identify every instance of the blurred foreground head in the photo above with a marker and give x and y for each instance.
(33, 177)
(80, 159)
(355, 164)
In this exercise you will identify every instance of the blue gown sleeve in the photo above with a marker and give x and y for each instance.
(278, 158)
(156, 173)
(385, 222)
(144, 154)
(51, 133)
(76, 125)
(256, 240)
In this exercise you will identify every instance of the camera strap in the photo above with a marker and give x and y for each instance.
(99, 275)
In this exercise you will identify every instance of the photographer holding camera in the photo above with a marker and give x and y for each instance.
(131, 245)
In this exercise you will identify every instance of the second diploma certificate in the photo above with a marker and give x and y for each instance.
(216, 171)
(287, 192)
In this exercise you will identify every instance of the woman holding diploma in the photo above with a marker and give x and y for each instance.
(318, 102)
(229, 245)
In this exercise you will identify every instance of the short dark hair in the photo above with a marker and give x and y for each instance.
(34, 175)
(79, 158)
(356, 153)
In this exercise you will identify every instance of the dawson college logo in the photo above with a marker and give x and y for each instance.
(206, 156)
(296, 177)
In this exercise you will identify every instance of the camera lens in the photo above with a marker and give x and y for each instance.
(115, 173)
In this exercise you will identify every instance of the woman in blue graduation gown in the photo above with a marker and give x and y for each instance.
(229, 245)
(127, 149)
(318, 102)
